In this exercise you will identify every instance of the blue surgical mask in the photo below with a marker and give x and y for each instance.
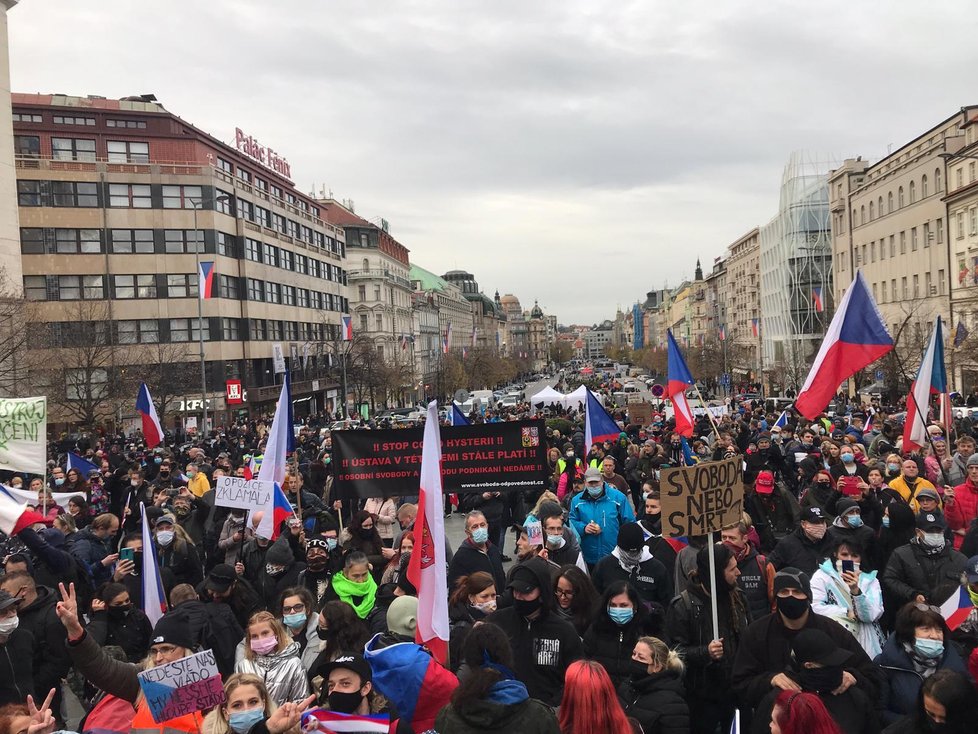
(886, 521)
(58, 481)
(621, 615)
(242, 721)
(848, 458)
(480, 535)
(855, 521)
(294, 620)
(595, 491)
(928, 648)
(331, 543)
(893, 468)
(158, 460)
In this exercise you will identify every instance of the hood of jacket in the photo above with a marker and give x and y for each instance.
(664, 680)
(499, 710)
(45, 598)
(508, 692)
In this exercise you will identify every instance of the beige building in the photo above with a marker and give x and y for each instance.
(741, 296)
(10, 266)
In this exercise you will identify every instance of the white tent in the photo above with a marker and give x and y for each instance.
(547, 396)
(576, 399)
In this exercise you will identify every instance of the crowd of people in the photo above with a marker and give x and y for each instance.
(828, 589)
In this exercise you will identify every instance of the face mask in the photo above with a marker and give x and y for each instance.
(893, 468)
(820, 679)
(848, 458)
(158, 460)
(164, 537)
(120, 612)
(595, 491)
(569, 454)
(855, 521)
(294, 620)
(323, 634)
(181, 511)
(792, 608)
(620, 615)
(316, 564)
(815, 531)
(631, 557)
(555, 541)
(886, 521)
(345, 703)
(242, 721)
(934, 540)
(365, 532)
(264, 645)
(331, 543)
(928, 648)
(487, 607)
(7, 626)
(273, 570)
(191, 473)
(164, 473)
(59, 481)
(480, 535)
(526, 608)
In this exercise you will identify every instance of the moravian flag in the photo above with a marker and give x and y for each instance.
(817, 298)
(679, 379)
(206, 285)
(931, 380)
(152, 430)
(856, 337)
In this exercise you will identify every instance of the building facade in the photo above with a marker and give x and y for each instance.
(10, 265)
(486, 321)
(741, 298)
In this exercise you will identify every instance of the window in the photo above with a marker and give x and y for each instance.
(960, 224)
(29, 193)
(973, 220)
(32, 240)
(65, 120)
(72, 241)
(35, 288)
(971, 172)
(288, 295)
(363, 322)
(940, 282)
(178, 241)
(183, 197)
(379, 318)
(129, 124)
(293, 229)
(913, 239)
(937, 180)
(893, 290)
(74, 194)
(273, 292)
(261, 183)
(316, 300)
(959, 176)
(286, 259)
(256, 290)
(138, 241)
(913, 192)
(889, 202)
(924, 193)
(131, 196)
(263, 216)
(314, 267)
(927, 284)
(865, 260)
(72, 149)
(85, 287)
(927, 234)
(181, 286)
(244, 175)
(134, 286)
(377, 287)
(883, 291)
(27, 146)
(276, 191)
(872, 211)
(124, 151)
(227, 287)
(224, 165)
(258, 330)
(365, 238)
(252, 250)
(875, 296)
(900, 201)
(246, 210)
(278, 223)
(302, 297)
(300, 264)
(26, 117)
(903, 286)
(291, 331)
(903, 243)
(362, 292)
(223, 202)
(184, 330)
(270, 255)
(939, 226)
(274, 329)
(872, 251)
(226, 245)
(141, 331)
(916, 286)
(231, 330)
(862, 217)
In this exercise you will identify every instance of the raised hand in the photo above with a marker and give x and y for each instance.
(67, 611)
(287, 715)
(42, 720)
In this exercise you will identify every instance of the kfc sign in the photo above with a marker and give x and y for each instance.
(258, 152)
(234, 394)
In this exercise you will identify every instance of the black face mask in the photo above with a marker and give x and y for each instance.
(324, 634)
(526, 608)
(653, 523)
(792, 608)
(365, 533)
(345, 703)
(820, 680)
(120, 612)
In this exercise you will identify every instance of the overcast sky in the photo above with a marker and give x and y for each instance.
(579, 152)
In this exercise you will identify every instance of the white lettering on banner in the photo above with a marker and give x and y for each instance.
(182, 687)
(23, 434)
(243, 494)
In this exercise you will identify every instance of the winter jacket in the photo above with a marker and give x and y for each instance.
(765, 651)
(16, 667)
(863, 536)
(775, 515)
(799, 551)
(213, 626)
(507, 709)
(568, 553)
(132, 632)
(960, 511)
(755, 577)
(831, 598)
(183, 560)
(610, 510)
(461, 619)
(611, 645)
(852, 711)
(649, 579)
(469, 558)
(51, 661)
(911, 571)
(901, 684)
(282, 671)
(958, 471)
(107, 674)
(91, 551)
(907, 491)
(657, 701)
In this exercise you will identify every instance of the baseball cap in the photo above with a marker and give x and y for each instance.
(523, 580)
(764, 483)
(220, 578)
(593, 474)
(167, 518)
(928, 492)
(814, 646)
(812, 514)
(630, 536)
(931, 520)
(7, 600)
(793, 578)
(356, 663)
(971, 570)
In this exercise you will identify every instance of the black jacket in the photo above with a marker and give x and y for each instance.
(752, 580)
(910, 571)
(132, 632)
(852, 710)
(213, 626)
(468, 559)
(658, 701)
(863, 536)
(650, 580)
(798, 551)
(90, 550)
(611, 645)
(51, 661)
(765, 651)
(183, 560)
(16, 669)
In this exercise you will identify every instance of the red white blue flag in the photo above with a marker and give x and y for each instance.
(679, 379)
(931, 380)
(755, 327)
(957, 608)
(154, 601)
(346, 328)
(856, 338)
(817, 299)
(152, 430)
(599, 426)
(206, 275)
(447, 342)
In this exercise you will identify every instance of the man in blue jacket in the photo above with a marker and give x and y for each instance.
(596, 514)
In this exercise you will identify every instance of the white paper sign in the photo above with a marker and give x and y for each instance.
(243, 494)
(278, 358)
(23, 434)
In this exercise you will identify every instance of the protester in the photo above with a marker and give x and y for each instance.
(17, 645)
(631, 562)
(597, 514)
(620, 621)
(575, 597)
(272, 655)
(589, 702)
(348, 689)
(115, 621)
(655, 697)
(477, 553)
(796, 712)
(927, 568)
(807, 545)
(755, 573)
(946, 705)
(300, 620)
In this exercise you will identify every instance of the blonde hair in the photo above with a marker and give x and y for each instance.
(216, 722)
(547, 496)
(662, 656)
(284, 638)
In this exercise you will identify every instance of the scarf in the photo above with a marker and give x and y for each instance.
(924, 667)
(366, 590)
(926, 549)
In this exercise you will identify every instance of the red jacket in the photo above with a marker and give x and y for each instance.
(961, 510)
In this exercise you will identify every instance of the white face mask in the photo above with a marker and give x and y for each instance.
(7, 626)
(164, 537)
(933, 540)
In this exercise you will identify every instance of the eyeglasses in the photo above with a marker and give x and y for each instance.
(300, 607)
(564, 594)
(158, 650)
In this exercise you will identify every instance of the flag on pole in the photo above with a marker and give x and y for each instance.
(403, 342)
(446, 344)
(755, 327)
(960, 334)
(427, 568)
(687, 452)
(250, 469)
(723, 333)
(281, 443)
(957, 608)
(856, 337)
(206, 277)
(346, 328)
(80, 465)
(817, 298)
(457, 417)
(868, 426)
(154, 601)
(599, 426)
(679, 380)
(152, 430)
(782, 420)
(280, 510)
(15, 516)
(931, 380)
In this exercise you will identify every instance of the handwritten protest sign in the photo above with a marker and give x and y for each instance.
(23, 434)
(243, 494)
(186, 685)
(701, 499)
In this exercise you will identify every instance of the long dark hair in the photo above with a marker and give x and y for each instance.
(348, 631)
(359, 543)
(484, 641)
(955, 693)
(584, 599)
(600, 614)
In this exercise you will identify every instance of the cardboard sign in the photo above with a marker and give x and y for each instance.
(701, 499)
(640, 413)
(243, 494)
(23, 434)
(186, 685)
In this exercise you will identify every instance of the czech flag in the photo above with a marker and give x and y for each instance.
(931, 380)
(868, 426)
(281, 442)
(723, 333)
(152, 430)
(856, 337)
(679, 380)
(446, 344)
(14, 516)
(817, 298)
(251, 469)
(346, 328)
(782, 420)
(334, 721)
(281, 511)
(80, 465)
(206, 274)
(957, 608)
(599, 426)
(755, 327)
(427, 569)
(154, 601)
(457, 417)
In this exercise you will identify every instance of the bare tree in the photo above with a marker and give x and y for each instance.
(14, 329)
(168, 372)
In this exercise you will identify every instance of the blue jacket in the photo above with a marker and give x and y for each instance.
(610, 510)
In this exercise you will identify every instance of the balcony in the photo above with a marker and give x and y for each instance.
(379, 274)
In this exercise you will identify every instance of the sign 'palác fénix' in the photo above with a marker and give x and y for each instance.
(264, 155)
